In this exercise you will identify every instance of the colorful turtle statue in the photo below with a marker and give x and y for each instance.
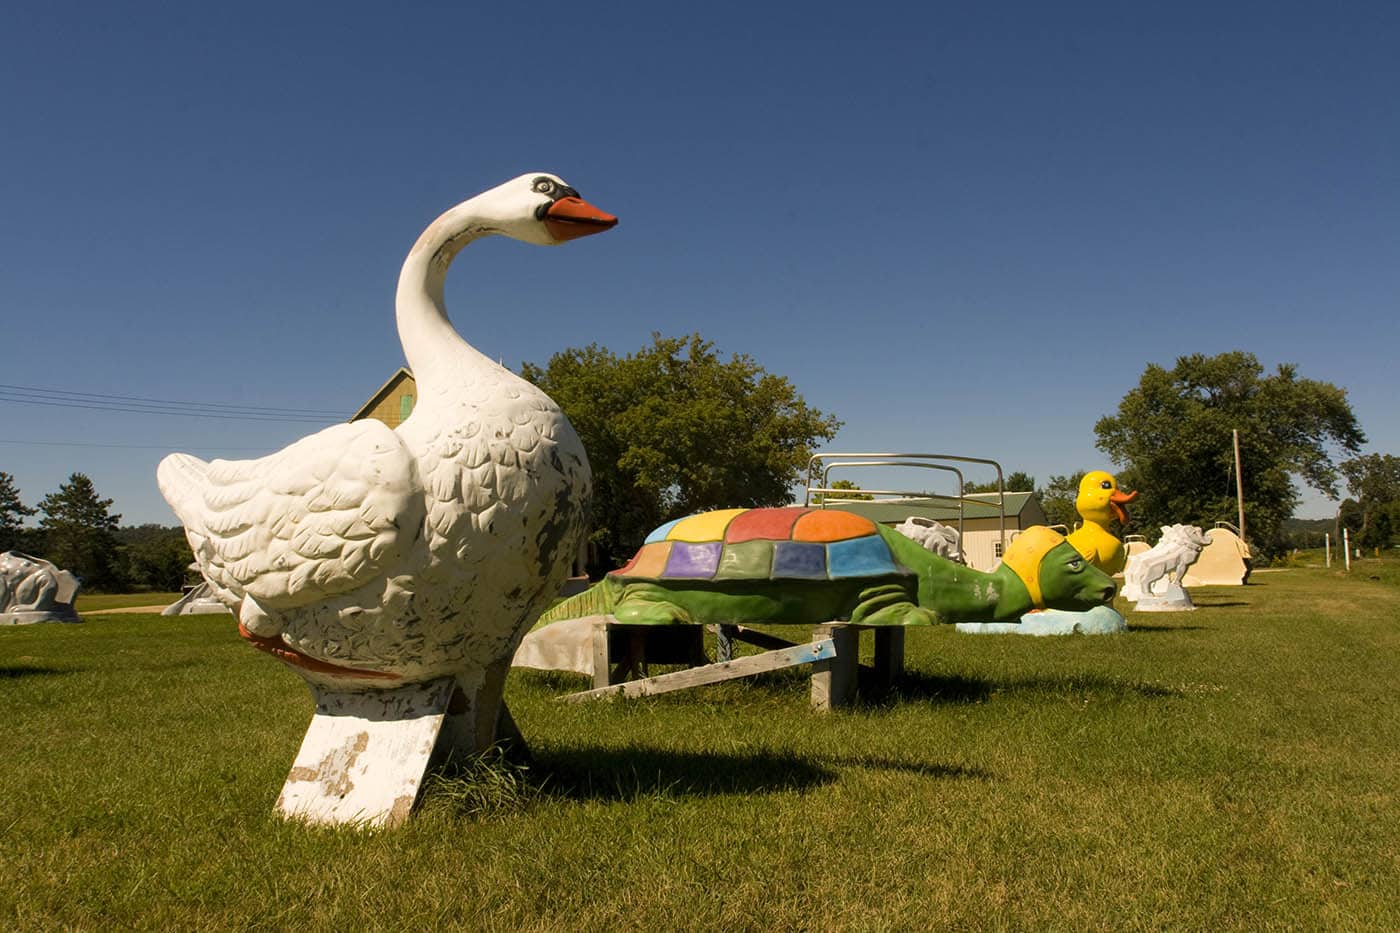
(807, 566)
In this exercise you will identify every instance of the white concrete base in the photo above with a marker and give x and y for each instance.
(366, 752)
(26, 617)
(198, 601)
(1173, 599)
(559, 646)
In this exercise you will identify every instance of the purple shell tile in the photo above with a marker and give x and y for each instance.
(692, 561)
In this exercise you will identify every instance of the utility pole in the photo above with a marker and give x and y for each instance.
(1239, 483)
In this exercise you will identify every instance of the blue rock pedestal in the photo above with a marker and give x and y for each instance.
(1101, 620)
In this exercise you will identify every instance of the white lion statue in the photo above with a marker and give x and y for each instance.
(933, 536)
(1165, 563)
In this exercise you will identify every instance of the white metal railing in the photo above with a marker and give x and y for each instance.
(820, 467)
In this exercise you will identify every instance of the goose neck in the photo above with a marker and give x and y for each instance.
(431, 344)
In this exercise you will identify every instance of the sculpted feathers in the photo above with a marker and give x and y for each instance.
(374, 556)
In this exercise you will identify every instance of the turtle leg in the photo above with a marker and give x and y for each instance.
(642, 605)
(890, 605)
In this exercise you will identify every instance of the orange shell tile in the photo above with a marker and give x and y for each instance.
(831, 525)
(649, 562)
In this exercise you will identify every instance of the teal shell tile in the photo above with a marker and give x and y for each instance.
(860, 557)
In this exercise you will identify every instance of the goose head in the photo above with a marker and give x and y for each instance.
(537, 208)
(1100, 500)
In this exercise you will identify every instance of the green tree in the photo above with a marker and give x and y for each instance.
(1014, 482)
(154, 557)
(842, 484)
(1057, 499)
(12, 514)
(1172, 436)
(1391, 514)
(673, 429)
(1375, 482)
(79, 533)
(1350, 517)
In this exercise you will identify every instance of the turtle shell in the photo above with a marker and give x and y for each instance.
(763, 544)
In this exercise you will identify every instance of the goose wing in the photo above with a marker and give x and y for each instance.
(320, 517)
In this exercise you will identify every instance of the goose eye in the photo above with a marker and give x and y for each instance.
(544, 185)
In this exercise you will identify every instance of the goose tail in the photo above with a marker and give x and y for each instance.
(181, 477)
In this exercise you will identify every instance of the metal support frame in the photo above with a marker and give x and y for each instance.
(819, 467)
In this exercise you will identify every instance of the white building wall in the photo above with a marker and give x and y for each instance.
(981, 547)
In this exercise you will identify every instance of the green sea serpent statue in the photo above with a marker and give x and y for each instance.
(804, 566)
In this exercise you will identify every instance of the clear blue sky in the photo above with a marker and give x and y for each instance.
(960, 228)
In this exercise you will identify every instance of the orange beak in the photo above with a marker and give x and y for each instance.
(571, 218)
(1116, 500)
(276, 648)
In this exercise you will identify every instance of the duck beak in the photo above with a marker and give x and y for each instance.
(571, 218)
(1116, 500)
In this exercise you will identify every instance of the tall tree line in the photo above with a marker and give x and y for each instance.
(78, 531)
(1172, 439)
(1372, 512)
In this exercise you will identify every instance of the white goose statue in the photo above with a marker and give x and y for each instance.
(372, 558)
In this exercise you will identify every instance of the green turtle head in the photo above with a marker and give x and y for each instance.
(1056, 575)
(1068, 581)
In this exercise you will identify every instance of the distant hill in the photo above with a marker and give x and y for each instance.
(1315, 525)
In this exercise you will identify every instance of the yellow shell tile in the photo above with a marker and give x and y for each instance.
(707, 526)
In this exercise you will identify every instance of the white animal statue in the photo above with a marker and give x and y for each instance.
(35, 590)
(1166, 561)
(372, 559)
(933, 536)
(198, 601)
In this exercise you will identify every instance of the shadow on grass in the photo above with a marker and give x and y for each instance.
(494, 784)
(556, 682)
(928, 769)
(14, 673)
(958, 689)
(1203, 601)
(632, 773)
(1148, 628)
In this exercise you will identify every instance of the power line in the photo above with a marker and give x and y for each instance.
(172, 446)
(164, 401)
(153, 410)
(111, 402)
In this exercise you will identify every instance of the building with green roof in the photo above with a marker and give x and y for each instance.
(982, 527)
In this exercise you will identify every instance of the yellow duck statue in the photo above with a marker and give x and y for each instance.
(1098, 503)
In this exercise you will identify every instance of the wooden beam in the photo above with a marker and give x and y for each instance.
(728, 633)
(834, 680)
(889, 656)
(761, 639)
(601, 668)
(818, 651)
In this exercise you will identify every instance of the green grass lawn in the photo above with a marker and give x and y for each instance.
(100, 602)
(1234, 767)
